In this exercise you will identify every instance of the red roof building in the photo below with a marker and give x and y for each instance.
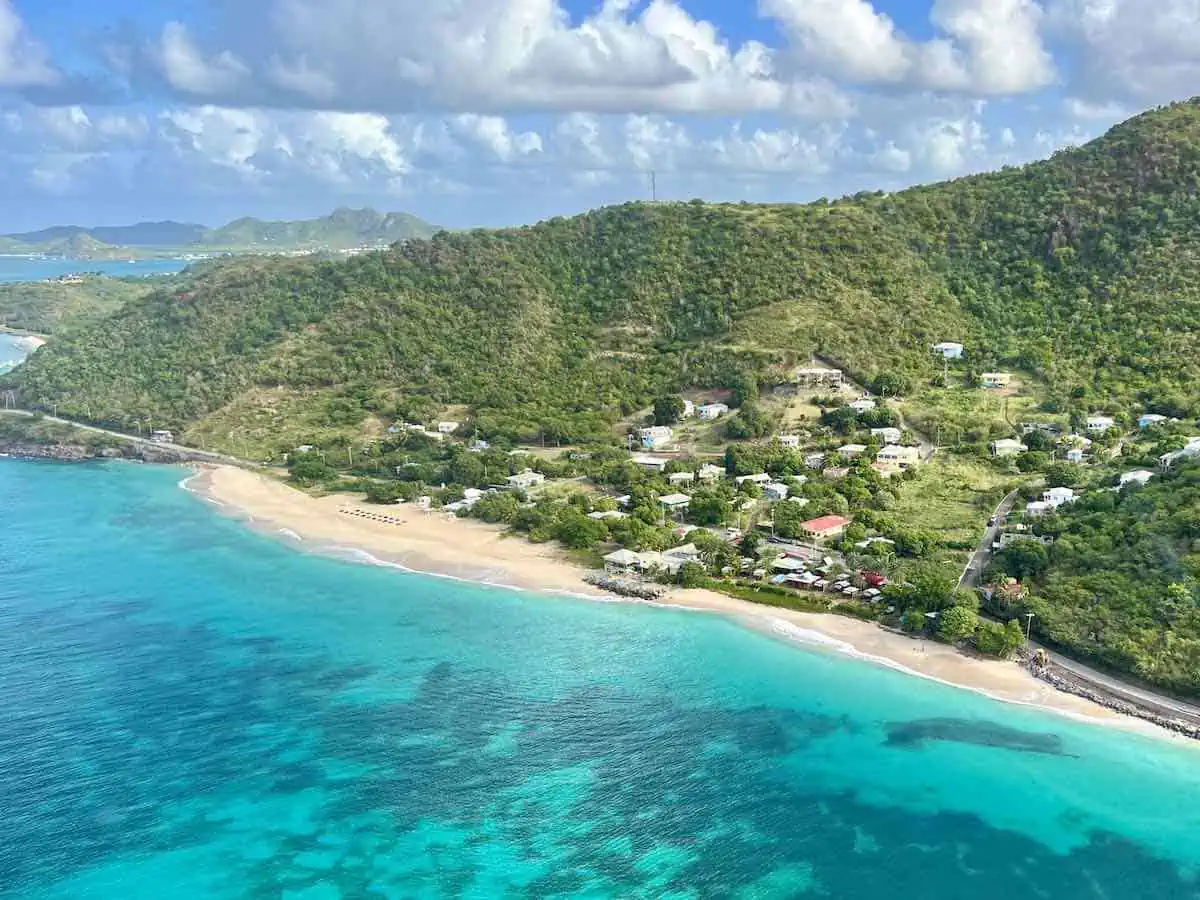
(826, 527)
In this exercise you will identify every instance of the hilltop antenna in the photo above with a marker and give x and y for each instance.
(653, 186)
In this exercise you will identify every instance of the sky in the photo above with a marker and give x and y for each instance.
(499, 112)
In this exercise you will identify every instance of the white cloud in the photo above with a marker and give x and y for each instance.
(187, 70)
(1130, 52)
(777, 151)
(23, 62)
(493, 133)
(986, 47)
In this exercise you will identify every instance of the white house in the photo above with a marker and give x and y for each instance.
(1036, 509)
(1075, 455)
(815, 377)
(447, 427)
(791, 441)
(775, 491)
(1149, 419)
(649, 463)
(901, 457)
(601, 515)
(681, 477)
(872, 541)
(996, 379)
(526, 480)
(622, 561)
(1138, 476)
(1191, 451)
(712, 410)
(655, 436)
(1100, 424)
(815, 461)
(1006, 447)
(852, 451)
(478, 446)
(675, 503)
(949, 349)
(863, 405)
(709, 472)
(689, 409)
(887, 435)
(760, 478)
(162, 437)
(1056, 497)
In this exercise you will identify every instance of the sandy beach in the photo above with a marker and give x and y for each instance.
(436, 543)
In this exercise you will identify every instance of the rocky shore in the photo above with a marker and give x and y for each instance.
(79, 452)
(1060, 680)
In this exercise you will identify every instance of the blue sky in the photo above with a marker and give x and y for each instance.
(488, 112)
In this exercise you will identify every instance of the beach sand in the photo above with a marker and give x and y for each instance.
(436, 543)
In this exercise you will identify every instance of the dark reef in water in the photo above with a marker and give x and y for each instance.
(969, 731)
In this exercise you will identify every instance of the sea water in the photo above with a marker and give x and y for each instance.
(190, 709)
(36, 268)
(13, 350)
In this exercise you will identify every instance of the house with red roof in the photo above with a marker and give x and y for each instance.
(826, 527)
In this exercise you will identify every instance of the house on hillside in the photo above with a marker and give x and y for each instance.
(814, 461)
(479, 445)
(1074, 455)
(162, 437)
(649, 463)
(681, 477)
(1006, 447)
(790, 441)
(655, 436)
(447, 427)
(1100, 424)
(710, 411)
(1058, 496)
(689, 409)
(818, 377)
(996, 379)
(826, 527)
(1138, 476)
(760, 479)
(901, 457)
(887, 435)
(775, 491)
(523, 481)
(837, 473)
(949, 349)
(709, 472)
(852, 451)
(1190, 451)
(1150, 419)
(675, 504)
(862, 405)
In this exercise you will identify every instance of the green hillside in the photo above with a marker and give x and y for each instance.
(343, 228)
(47, 307)
(1079, 271)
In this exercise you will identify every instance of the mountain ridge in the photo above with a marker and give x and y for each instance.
(343, 229)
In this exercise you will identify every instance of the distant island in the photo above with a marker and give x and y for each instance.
(344, 229)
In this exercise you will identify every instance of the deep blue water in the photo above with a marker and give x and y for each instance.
(20, 268)
(192, 710)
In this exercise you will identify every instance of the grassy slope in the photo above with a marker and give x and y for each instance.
(46, 308)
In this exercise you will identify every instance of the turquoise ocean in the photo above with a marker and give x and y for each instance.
(26, 268)
(190, 709)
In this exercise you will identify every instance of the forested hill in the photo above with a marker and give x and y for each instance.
(1083, 270)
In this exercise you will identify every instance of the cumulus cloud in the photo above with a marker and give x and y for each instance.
(1129, 52)
(24, 63)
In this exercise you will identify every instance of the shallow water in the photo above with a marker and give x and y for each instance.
(185, 703)
(24, 268)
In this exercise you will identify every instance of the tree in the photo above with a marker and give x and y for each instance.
(383, 492)
(668, 409)
(788, 517)
(709, 507)
(1023, 559)
(957, 624)
(309, 468)
(750, 544)
(891, 384)
(999, 640)
(692, 575)
(499, 507)
(575, 530)
(914, 621)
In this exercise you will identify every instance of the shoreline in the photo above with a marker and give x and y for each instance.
(431, 543)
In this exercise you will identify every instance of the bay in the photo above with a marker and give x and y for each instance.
(194, 710)
(25, 268)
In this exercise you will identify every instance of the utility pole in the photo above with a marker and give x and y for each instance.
(1028, 626)
(653, 186)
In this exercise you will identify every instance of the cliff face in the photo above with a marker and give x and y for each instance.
(78, 452)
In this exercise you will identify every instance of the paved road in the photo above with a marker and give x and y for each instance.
(974, 570)
(189, 452)
(1118, 688)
